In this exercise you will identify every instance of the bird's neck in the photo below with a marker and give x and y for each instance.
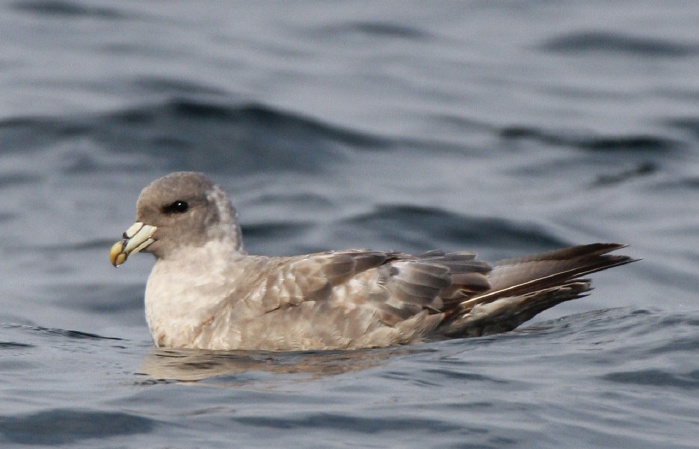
(185, 288)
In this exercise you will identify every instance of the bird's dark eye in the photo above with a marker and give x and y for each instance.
(176, 207)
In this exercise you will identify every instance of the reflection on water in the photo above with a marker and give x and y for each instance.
(194, 365)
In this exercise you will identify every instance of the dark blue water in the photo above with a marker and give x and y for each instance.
(502, 127)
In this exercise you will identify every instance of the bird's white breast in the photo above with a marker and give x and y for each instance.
(185, 290)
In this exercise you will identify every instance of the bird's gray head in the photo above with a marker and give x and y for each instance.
(182, 209)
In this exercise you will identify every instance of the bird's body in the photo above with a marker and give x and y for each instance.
(206, 292)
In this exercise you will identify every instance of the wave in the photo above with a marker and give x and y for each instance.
(416, 228)
(192, 134)
(638, 142)
(372, 30)
(615, 43)
(66, 9)
(69, 426)
(72, 334)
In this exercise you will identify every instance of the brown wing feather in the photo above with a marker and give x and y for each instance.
(398, 298)
(311, 278)
(393, 287)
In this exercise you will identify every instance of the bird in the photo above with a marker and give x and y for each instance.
(206, 292)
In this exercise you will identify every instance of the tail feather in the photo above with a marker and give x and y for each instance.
(507, 313)
(512, 277)
(523, 287)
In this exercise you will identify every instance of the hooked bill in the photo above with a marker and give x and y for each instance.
(136, 238)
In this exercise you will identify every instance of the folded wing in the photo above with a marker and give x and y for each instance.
(359, 298)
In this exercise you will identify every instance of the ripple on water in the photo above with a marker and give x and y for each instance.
(69, 426)
(445, 227)
(596, 42)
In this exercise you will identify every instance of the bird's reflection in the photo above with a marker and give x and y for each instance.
(195, 365)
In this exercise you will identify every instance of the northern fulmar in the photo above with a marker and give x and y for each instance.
(206, 292)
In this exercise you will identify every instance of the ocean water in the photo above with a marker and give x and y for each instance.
(502, 127)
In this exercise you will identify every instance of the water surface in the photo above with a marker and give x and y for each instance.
(499, 127)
